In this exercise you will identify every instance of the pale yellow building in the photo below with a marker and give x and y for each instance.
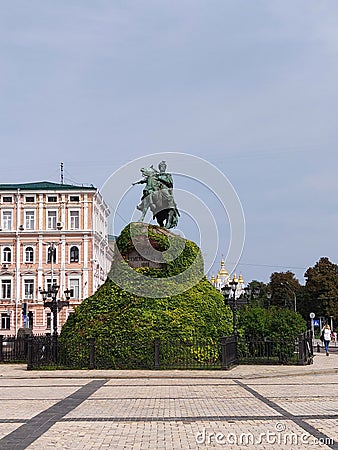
(49, 231)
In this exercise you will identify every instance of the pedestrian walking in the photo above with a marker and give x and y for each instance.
(326, 333)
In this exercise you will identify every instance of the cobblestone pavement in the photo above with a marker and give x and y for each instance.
(248, 407)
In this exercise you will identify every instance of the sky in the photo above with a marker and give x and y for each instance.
(248, 86)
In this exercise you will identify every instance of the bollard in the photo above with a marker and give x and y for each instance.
(318, 348)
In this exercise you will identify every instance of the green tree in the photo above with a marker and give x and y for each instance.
(284, 288)
(259, 293)
(253, 322)
(256, 322)
(271, 331)
(321, 289)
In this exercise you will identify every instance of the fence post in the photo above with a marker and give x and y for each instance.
(236, 349)
(224, 365)
(30, 353)
(55, 347)
(157, 352)
(301, 349)
(91, 353)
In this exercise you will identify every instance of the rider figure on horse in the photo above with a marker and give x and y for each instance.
(158, 196)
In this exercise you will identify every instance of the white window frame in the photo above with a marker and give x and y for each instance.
(30, 219)
(48, 319)
(51, 219)
(28, 288)
(29, 197)
(8, 294)
(49, 283)
(74, 196)
(70, 253)
(5, 259)
(27, 260)
(5, 321)
(55, 253)
(74, 220)
(75, 287)
(7, 219)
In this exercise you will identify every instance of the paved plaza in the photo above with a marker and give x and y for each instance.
(248, 407)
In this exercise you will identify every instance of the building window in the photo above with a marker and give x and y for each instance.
(51, 255)
(74, 254)
(6, 286)
(49, 283)
(29, 288)
(29, 254)
(7, 199)
(30, 220)
(52, 199)
(51, 220)
(5, 321)
(74, 198)
(7, 220)
(7, 255)
(74, 220)
(29, 199)
(74, 284)
(49, 321)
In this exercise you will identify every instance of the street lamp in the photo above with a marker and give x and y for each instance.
(54, 304)
(251, 294)
(229, 291)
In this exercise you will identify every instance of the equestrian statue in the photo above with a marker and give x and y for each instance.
(158, 196)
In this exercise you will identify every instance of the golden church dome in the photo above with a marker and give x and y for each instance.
(235, 279)
(223, 272)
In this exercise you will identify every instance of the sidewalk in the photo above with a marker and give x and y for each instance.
(256, 407)
(322, 364)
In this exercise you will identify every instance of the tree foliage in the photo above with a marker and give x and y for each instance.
(270, 323)
(284, 288)
(321, 289)
(259, 293)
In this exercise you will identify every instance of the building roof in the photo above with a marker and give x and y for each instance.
(44, 186)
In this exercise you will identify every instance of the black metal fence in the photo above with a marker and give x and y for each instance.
(276, 351)
(305, 348)
(13, 348)
(48, 352)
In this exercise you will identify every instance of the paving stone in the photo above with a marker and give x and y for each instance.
(252, 407)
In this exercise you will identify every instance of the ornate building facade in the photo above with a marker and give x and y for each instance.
(49, 233)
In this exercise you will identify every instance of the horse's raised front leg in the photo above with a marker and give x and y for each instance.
(141, 219)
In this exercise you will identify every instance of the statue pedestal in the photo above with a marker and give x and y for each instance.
(146, 251)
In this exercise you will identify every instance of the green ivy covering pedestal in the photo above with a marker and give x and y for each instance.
(113, 313)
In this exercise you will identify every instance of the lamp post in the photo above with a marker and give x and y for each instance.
(229, 292)
(55, 306)
(251, 294)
